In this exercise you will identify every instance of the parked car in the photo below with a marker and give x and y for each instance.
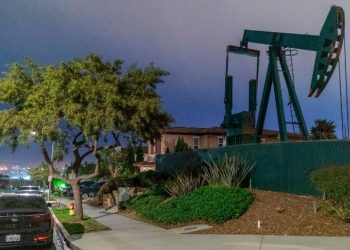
(29, 190)
(84, 184)
(25, 220)
(9, 190)
(92, 190)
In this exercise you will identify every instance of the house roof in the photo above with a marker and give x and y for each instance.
(193, 131)
(215, 131)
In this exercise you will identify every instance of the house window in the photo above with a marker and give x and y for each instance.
(220, 142)
(195, 143)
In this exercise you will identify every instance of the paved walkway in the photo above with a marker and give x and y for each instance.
(128, 234)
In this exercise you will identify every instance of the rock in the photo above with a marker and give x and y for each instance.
(280, 209)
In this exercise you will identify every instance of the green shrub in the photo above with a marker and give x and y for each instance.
(149, 179)
(146, 204)
(57, 193)
(229, 171)
(213, 203)
(181, 145)
(335, 182)
(119, 181)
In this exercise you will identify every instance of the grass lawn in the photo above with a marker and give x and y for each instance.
(73, 226)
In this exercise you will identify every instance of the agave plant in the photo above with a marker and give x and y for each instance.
(182, 185)
(229, 171)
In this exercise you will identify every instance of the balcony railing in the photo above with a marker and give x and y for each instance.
(149, 158)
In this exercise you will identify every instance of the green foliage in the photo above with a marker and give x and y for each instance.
(181, 145)
(182, 185)
(145, 205)
(215, 204)
(230, 171)
(57, 193)
(130, 159)
(40, 175)
(335, 182)
(149, 179)
(139, 153)
(118, 181)
(80, 101)
(82, 105)
(323, 130)
(114, 162)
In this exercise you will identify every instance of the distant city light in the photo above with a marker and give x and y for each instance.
(15, 172)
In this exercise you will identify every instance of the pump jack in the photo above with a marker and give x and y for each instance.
(327, 45)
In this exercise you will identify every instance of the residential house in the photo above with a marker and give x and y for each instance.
(196, 138)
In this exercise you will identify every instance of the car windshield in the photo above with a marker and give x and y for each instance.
(22, 203)
(85, 184)
(98, 184)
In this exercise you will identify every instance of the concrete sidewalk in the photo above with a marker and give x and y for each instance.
(128, 234)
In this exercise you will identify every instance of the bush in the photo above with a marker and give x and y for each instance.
(57, 193)
(182, 185)
(335, 182)
(145, 205)
(149, 179)
(231, 171)
(215, 204)
(116, 182)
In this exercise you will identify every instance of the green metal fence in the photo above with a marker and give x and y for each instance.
(279, 166)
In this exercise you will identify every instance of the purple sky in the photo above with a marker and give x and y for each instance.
(185, 37)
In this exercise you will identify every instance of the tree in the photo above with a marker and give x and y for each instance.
(323, 130)
(129, 160)
(40, 175)
(139, 153)
(83, 106)
(112, 162)
(181, 145)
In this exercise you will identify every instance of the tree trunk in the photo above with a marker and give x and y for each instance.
(78, 205)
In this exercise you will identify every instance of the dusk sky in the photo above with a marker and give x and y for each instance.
(185, 37)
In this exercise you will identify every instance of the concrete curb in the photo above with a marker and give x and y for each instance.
(63, 232)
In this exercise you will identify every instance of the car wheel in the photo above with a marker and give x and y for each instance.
(85, 196)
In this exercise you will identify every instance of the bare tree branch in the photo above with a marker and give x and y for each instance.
(45, 153)
(87, 153)
(97, 166)
(116, 138)
(76, 138)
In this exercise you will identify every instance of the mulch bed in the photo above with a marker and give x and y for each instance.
(279, 214)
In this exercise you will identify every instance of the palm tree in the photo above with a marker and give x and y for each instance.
(323, 130)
